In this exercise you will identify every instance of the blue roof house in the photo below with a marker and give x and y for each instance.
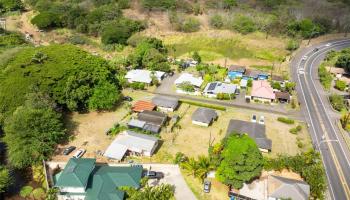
(236, 71)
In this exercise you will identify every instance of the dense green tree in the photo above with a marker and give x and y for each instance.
(105, 96)
(31, 134)
(243, 24)
(343, 61)
(68, 75)
(241, 161)
(11, 5)
(197, 57)
(46, 20)
(5, 179)
(120, 31)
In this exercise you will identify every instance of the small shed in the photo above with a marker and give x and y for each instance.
(283, 97)
(204, 116)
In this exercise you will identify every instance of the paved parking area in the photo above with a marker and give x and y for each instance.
(173, 176)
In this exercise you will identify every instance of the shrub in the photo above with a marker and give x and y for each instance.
(180, 158)
(340, 85)
(46, 20)
(343, 61)
(285, 120)
(292, 45)
(325, 77)
(243, 24)
(137, 86)
(276, 85)
(38, 193)
(26, 191)
(190, 25)
(196, 103)
(224, 96)
(216, 21)
(77, 39)
(295, 130)
(337, 102)
(187, 87)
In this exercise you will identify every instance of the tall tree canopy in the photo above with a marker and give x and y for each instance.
(66, 73)
(241, 161)
(32, 132)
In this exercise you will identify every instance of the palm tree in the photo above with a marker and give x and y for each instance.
(191, 166)
(204, 166)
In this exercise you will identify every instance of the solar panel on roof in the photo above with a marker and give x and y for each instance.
(212, 86)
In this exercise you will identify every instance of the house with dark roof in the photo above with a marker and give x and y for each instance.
(141, 106)
(283, 97)
(204, 116)
(81, 179)
(254, 130)
(149, 121)
(165, 103)
(236, 71)
(284, 188)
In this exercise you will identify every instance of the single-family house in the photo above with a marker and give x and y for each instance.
(262, 91)
(82, 179)
(283, 97)
(143, 76)
(214, 88)
(189, 78)
(284, 188)
(255, 75)
(165, 103)
(254, 130)
(149, 121)
(204, 116)
(131, 143)
(236, 71)
(141, 106)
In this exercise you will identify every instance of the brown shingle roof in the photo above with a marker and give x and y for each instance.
(282, 95)
(141, 106)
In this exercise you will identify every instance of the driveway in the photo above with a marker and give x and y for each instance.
(167, 84)
(173, 176)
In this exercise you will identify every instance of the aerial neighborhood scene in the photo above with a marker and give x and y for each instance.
(174, 99)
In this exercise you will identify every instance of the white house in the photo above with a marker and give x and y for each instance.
(214, 88)
(188, 78)
(143, 76)
(132, 142)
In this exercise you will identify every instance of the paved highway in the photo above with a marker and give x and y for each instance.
(325, 134)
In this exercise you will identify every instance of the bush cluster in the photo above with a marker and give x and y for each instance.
(337, 102)
(285, 120)
(103, 19)
(295, 130)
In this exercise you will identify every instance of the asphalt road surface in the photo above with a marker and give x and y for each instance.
(325, 134)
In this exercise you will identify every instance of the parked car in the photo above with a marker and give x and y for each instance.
(79, 153)
(127, 98)
(304, 57)
(154, 175)
(69, 150)
(328, 44)
(301, 71)
(253, 119)
(262, 120)
(316, 49)
(206, 186)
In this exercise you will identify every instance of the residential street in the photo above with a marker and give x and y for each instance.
(326, 136)
(167, 85)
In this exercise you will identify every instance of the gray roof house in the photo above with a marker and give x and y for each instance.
(254, 130)
(204, 116)
(214, 88)
(285, 188)
(152, 117)
(130, 141)
(165, 103)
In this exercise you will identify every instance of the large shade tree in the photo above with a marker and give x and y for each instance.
(241, 161)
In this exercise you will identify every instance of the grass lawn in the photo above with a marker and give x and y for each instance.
(213, 45)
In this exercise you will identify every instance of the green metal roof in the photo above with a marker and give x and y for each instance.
(106, 179)
(76, 173)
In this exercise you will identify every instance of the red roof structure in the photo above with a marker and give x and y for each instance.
(141, 106)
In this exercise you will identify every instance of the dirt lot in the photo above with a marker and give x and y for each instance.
(88, 130)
